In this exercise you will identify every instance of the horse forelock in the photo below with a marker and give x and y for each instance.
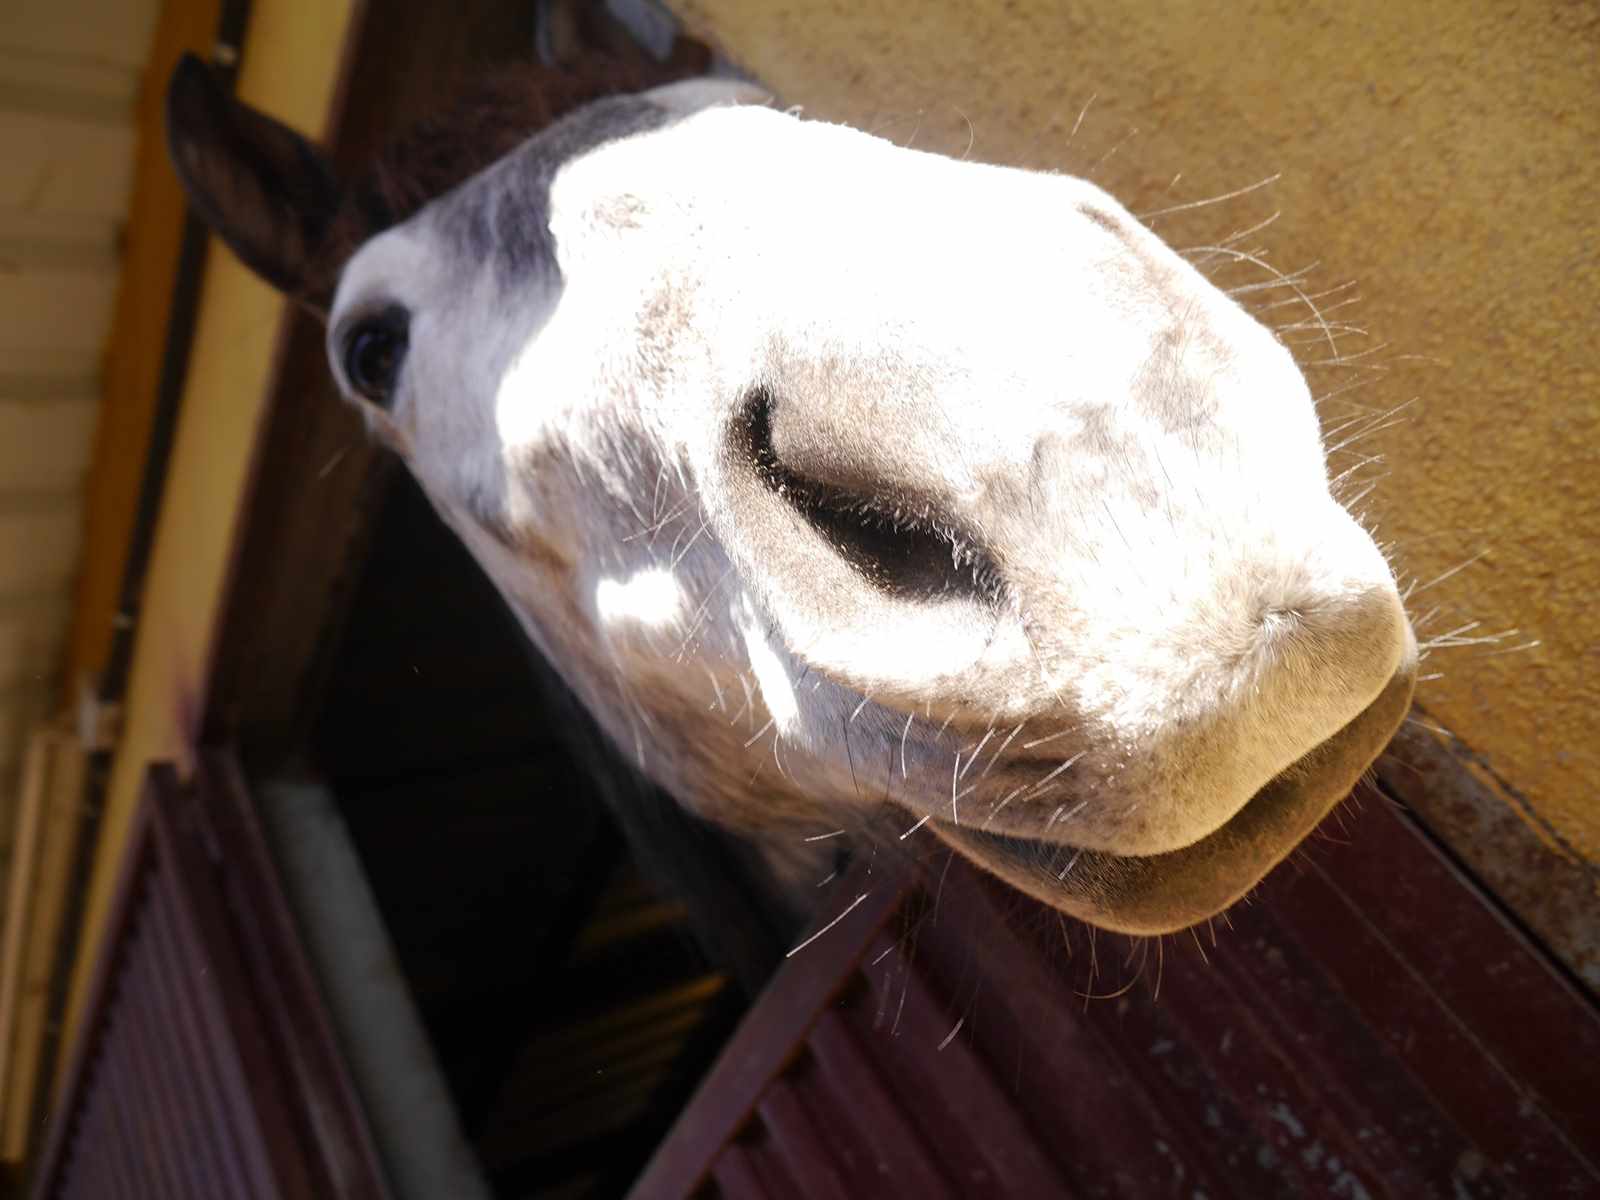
(487, 117)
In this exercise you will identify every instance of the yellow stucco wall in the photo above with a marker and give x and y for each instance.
(292, 54)
(1442, 154)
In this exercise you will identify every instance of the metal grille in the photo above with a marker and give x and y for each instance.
(206, 1068)
(1369, 1026)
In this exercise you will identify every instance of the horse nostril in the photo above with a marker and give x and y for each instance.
(899, 546)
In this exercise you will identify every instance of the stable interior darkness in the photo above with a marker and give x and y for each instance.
(570, 1007)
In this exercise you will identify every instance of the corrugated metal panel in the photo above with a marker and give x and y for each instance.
(1369, 1026)
(208, 1068)
(69, 74)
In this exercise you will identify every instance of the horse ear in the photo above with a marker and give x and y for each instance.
(267, 191)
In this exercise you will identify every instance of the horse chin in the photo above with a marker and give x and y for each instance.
(1162, 893)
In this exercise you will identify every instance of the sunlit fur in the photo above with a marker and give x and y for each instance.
(832, 473)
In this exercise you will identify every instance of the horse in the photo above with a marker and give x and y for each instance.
(844, 482)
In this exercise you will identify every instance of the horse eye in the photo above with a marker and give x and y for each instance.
(373, 353)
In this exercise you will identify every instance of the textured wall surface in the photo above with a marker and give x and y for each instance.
(1442, 156)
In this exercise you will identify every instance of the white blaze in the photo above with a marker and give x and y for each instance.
(650, 597)
(777, 691)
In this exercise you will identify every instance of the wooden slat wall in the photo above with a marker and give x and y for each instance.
(133, 354)
(69, 75)
(293, 49)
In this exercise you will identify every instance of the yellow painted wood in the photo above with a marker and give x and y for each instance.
(292, 52)
(62, 800)
(24, 866)
(133, 355)
(62, 164)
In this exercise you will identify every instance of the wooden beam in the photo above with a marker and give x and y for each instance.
(131, 373)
